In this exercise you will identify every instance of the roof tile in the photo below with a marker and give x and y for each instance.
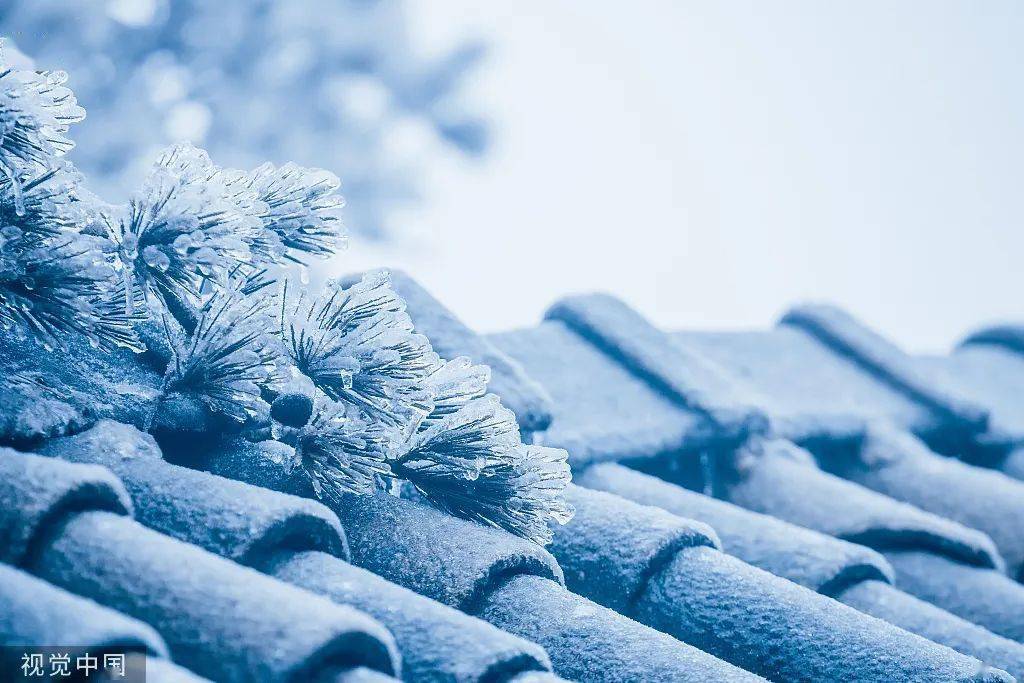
(226, 517)
(990, 368)
(851, 573)
(796, 375)
(884, 601)
(613, 546)
(218, 618)
(883, 457)
(33, 612)
(588, 642)
(508, 581)
(298, 541)
(766, 623)
(437, 642)
(434, 553)
(817, 561)
(681, 375)
(769, 476)
(885, 361)
(83, 384)
(603, 412)
(724, 606)
(899, 465)
(40, 493)
(988, 598)
(591, 395)
(165, 671)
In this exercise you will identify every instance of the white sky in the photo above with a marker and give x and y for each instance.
(713, 163)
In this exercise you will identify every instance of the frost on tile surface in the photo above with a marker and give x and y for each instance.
(177, 312)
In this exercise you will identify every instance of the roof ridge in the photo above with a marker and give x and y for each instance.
(695, 382)
(1006, 336)
(851, 339)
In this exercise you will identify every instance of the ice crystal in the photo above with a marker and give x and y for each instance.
(225, 361)
(36, 111)
(52, 289)
(357, 345)
(40, 205)
(453, 385)
(182, 230)
(298, 206)
(343, 452)
(472, 463)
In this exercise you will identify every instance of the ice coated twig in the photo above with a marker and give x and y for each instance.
(472, 463)
(357, 345)
(225, 361)
(342, 452)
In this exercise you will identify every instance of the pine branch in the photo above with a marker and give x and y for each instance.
(357, 345)
(226, 360)
(41, 205)
(182, 231)
(54, 288)
(298, 206)
(343, 452)
(472, 464)
(199, 241)
(36, 111)
(453, 385)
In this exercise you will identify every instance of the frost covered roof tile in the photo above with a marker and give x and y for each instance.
(489, 573)
(33, 612)
(298, 541)
(94, 385)
(217, 617)
(883, 360)
(814, 560)
(590, 392)
(631, 421)
(851, 573)
(989, 367)
(474, 603)
(802, 493)
(667, 572)
(854, 366)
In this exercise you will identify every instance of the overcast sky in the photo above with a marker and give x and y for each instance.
(713, 163)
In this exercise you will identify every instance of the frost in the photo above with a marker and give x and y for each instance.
(36, 111)
(226, 360)
(473, 464)
(342, 452)
(357, 345)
